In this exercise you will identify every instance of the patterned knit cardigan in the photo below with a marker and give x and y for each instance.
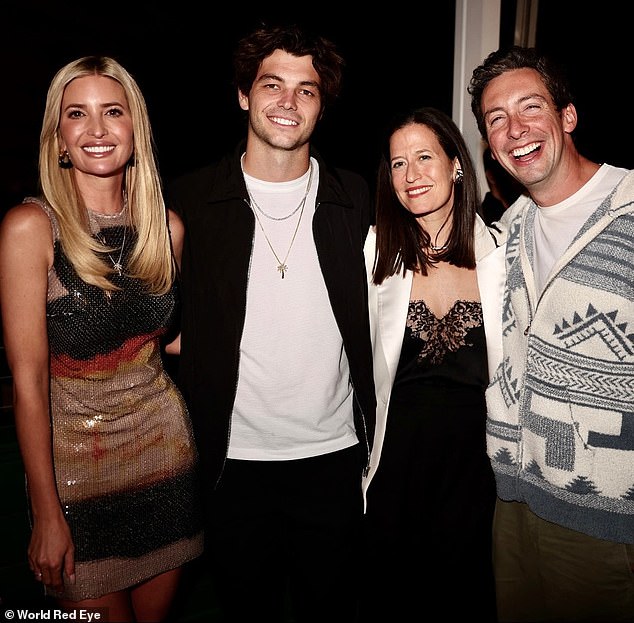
(560, 431)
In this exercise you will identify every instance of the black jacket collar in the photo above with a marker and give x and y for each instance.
(228, 182)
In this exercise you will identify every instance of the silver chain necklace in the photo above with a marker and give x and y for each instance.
(281, 264)
(117, 266)
(270, 216)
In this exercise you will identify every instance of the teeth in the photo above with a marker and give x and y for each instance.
(100, 149)
(522, 151)
(418, 191)
(282, 121)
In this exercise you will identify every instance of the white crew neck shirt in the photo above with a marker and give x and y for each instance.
(557, 225)
(294, 397)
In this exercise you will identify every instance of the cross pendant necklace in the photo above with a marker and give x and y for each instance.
(117, 265)
(282, 267)
(281, 264)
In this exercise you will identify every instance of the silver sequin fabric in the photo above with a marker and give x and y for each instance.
(124, 454)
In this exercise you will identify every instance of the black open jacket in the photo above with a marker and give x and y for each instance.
(219, 231)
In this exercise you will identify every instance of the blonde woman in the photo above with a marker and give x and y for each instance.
(87, 292)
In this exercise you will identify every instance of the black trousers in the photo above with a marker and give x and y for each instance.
(283, 539)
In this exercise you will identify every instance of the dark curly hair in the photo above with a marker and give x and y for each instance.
(261, 43)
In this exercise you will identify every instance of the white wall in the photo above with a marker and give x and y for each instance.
(477, 34)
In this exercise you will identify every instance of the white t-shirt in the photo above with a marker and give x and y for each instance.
(557, 225)
(294, 397)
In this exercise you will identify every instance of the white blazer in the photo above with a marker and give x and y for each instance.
(388, 305)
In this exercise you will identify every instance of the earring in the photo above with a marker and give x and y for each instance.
(64, 160)
(459, 176)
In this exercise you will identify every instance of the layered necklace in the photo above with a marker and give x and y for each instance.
(282, 267)
(117, 265)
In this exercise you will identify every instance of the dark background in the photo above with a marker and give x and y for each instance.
(398, 56)
(181, 59)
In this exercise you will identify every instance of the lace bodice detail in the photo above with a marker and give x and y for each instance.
(448, 350)
(440, 335)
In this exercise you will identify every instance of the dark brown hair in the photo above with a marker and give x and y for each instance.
(255, 47)
(401, 241)
(517, 57)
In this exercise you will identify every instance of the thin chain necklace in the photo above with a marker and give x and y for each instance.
(117, 266)
(281, 264)
(270, 216)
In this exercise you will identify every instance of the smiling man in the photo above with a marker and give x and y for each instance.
(276, 360)
(561, 403)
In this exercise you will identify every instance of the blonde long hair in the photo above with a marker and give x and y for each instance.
(151, 259)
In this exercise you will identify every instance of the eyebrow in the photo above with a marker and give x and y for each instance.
(521, 100)
(305, 83)
(417, 152)
(104, 105)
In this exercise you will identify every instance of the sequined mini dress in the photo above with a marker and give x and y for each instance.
(124, 454)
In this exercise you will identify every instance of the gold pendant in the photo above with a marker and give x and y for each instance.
(282, 268)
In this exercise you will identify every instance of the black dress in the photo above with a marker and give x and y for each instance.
(430, 505)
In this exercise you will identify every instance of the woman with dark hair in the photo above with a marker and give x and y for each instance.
(430, 491)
